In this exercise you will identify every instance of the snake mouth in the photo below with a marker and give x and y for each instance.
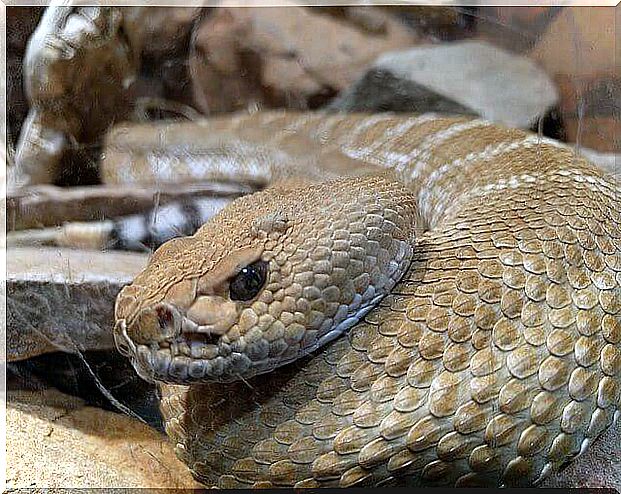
(164, 344)
(188, 354)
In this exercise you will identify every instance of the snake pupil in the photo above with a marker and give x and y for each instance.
(247, 283)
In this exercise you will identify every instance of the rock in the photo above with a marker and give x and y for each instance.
(162, 36)
(580, 50)
(514, 28)
(591, 111)
(54, 441)
(61, 299)
(365, 18)
(271, 57)
(581, 42)
(380, 90)
(73, 51)
(488, 81)
(87, 67)
(438, 22)
(105, 379)
(599, 467)
(610, 162)
(162, 31)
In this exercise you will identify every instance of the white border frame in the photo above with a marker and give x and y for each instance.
(180, 3)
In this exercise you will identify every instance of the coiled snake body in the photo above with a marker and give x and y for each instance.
(474, 272)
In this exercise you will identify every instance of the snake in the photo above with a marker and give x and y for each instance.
(412, 301)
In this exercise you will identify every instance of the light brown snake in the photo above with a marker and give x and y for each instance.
(488, 259)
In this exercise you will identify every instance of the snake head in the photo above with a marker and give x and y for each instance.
(270, 278)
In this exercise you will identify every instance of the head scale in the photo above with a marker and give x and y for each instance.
(270, 278)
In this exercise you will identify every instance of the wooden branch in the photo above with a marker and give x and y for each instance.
(46, 205)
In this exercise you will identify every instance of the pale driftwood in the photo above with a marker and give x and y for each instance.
(47, 205)
(63, 299)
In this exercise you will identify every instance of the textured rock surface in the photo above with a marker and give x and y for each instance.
(53, 440)
(104, 379)
(580, 50)
(60, 299)
(495, 84)
(515, 28)
(610, 162)
(599, 467)
(591, 110)
(444, 22)
(162, 31)
(163, 35)
(581, 41)
(72, 51)
(271, 57)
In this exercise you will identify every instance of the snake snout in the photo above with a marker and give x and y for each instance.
(171, 344)
(156, 324)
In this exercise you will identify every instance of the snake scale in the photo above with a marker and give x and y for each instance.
(447, 304)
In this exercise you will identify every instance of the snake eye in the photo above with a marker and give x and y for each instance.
(247, 283)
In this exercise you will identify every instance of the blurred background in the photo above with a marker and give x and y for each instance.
(191, 62)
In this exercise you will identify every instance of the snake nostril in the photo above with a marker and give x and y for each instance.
(168, 320)
(165, 316)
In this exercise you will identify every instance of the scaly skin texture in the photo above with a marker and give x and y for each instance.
(494, 360)
(324, 274)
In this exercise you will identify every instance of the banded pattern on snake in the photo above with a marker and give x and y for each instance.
(473, 270)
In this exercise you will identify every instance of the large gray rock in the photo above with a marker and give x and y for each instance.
(62, 299)
(451, 77)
